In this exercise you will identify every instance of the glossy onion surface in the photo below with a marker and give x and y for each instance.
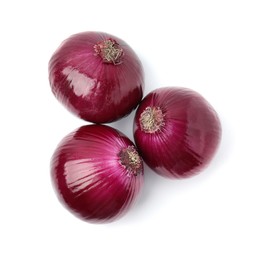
(97, 76)
(176, 131)
(97, 173)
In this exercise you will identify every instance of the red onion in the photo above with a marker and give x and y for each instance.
(97, 173)
(97, 76)
(176, 131)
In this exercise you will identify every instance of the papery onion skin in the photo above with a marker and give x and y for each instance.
(95, 88)
(93, 175)
(176, 131)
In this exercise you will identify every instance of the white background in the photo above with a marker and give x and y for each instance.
(218, 48)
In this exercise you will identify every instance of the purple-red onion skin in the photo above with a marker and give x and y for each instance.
(88, 177)
(92, 89)
(188, 138)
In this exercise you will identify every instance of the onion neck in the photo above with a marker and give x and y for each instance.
(151, 119)
(130, 160)
(110, 51)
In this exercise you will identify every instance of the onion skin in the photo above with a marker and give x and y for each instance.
(187, 136)
(94, 88)
(89, 175)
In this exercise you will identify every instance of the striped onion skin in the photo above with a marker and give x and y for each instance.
(96, 76)
(97, 173)
(176, 131)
